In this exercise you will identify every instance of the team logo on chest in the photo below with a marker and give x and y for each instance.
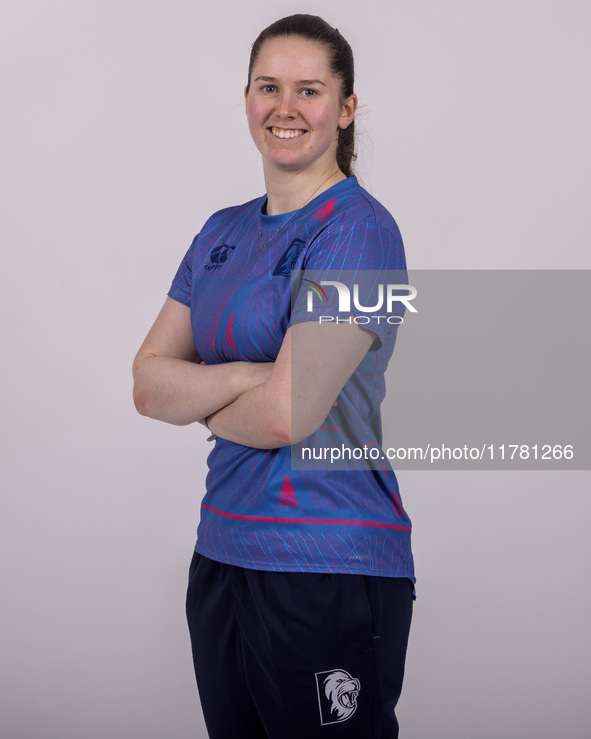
(337, 695)
(218, 255)
(289, 258)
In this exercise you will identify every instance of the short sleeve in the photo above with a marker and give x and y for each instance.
(353, 273)
(181, 285)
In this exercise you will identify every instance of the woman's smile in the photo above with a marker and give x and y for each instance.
(287, 133)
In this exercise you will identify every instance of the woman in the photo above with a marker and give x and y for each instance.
(301, 584)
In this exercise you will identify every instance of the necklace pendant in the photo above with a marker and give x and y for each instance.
(284, 224)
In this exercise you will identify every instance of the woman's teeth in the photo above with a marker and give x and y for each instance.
(285, 133)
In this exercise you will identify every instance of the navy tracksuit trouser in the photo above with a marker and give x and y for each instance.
(282, 655)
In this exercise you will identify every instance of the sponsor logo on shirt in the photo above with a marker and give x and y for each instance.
(217, 256)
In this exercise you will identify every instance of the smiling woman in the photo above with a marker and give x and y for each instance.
(295, 109)
(301, 584)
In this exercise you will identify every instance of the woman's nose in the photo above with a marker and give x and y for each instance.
(286, 105)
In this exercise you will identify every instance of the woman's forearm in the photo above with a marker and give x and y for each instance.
(301, 389)
(181, 392)
(259, 418)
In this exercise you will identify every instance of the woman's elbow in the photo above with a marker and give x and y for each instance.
(295, 430)
(141, 395)
(305, 420)
(279, 428)
(140, 399)
(278, 419)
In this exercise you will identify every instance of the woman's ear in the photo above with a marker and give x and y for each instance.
(348, 112)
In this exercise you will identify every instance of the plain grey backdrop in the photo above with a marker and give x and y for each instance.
(122, 130)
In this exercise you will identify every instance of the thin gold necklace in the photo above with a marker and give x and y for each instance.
(306, 201)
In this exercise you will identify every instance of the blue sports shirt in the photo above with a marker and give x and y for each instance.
(260, 510)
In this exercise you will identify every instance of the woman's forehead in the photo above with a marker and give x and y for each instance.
(292, 55)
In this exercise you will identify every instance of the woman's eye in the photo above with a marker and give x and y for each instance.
(268, 88)
(309, 93)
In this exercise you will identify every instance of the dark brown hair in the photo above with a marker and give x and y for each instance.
(314, 28)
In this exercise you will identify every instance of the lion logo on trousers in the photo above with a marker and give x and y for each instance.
(337, 695)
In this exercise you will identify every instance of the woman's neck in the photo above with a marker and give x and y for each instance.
(289, 191)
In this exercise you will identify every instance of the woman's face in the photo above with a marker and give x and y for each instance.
(294, 106)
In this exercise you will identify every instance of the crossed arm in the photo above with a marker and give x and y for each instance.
(259, 404)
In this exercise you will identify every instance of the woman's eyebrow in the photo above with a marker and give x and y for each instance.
(299, 82)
